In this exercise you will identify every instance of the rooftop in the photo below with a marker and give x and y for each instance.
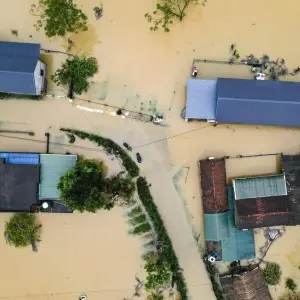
(17, 65)
(213, 184)
(53, 166)
(18, 186)
(247, 286)
(256, 187)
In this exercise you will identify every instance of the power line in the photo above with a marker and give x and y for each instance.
(172, 136)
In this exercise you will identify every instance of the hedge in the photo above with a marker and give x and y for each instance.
(167, 251)
(110, 146)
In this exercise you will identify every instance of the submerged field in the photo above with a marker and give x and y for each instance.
(143, 71)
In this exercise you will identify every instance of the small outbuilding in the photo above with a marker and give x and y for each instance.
(21, 71)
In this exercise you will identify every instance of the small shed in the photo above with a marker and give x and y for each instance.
(53, 166)
(21, 71)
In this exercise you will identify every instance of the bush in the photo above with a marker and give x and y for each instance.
(272, 273)
(291, 284)
(21, 230)
(109, 146)
(167, 252)
(290, 296)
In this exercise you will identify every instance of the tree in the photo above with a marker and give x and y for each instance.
(21, 230)
(76, 72)
(291, 284)
(272, 273)
(58, 17)
(81, 187)
(158, 275)
(120, 189)
(168, 10)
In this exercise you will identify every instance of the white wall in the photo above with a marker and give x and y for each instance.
(38, 78)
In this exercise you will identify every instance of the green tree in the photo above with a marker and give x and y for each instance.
(155, 296)
(291, 284)
(58, 17)
(21, 230)
(81, 188)
(158, 275)
(120, 189)
(272, 273)
(76, 72)
(168, 10)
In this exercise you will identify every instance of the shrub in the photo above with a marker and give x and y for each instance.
(167, 252)
(272, 273)
(290, 296)
(109, 146)
(21, 230)
(291, 284)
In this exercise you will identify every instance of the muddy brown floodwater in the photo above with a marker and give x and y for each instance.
(140, 69)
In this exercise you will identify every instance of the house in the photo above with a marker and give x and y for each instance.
(29, 179)
(21, 71)
(248, 285)
(223, 239)
(244, 101)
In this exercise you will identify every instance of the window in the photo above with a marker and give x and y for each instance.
(42, 72)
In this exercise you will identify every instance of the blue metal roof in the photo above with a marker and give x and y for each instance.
(259, 102)
(201, 99)
(216, 226)
(20, 158)
(17, 65)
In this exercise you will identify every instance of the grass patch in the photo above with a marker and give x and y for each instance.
(109, 146)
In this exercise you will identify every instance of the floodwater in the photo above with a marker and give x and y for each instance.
(138, 69)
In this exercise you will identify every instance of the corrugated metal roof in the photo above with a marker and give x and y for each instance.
(240, 244)
(257, 187)
(17, 65)
(259, 102)
(53, 166)
(201, 99)
(15, 158)
(216, 226)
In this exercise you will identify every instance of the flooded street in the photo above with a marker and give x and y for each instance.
(142, 71)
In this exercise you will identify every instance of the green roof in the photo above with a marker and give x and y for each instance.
(274, 185)
(53, 166)
(216, 226)
(236, 244)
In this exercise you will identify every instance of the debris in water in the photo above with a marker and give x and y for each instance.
(98, 11)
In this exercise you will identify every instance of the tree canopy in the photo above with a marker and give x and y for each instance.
(21, 230)
(76, 72)
(167, 11)
(84, 188)
(58, 17)
(272, 273)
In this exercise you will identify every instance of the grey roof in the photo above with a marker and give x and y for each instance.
(53, 166)
(201, 99)
(17, 65)
(258, 187)
(260, 102)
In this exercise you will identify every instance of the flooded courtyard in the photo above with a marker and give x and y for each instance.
(146, 72)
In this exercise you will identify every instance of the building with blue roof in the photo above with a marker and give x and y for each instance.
(21, 71)
(244, 101)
